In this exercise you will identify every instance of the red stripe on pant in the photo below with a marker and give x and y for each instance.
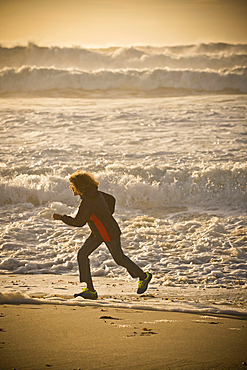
(100, 227)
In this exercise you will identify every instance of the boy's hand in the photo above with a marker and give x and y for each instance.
(56, 216)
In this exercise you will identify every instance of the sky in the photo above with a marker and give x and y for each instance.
(103, 23)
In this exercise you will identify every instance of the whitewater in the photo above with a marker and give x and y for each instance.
(164, 130)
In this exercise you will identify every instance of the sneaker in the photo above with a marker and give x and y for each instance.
(87, 294)
(143, 284)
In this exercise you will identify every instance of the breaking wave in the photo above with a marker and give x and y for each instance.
(29, 79)
(136, 188)
(194, 68)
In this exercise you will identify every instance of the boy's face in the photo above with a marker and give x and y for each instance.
(72, 188)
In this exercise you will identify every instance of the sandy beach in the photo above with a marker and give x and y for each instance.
(91, 337)
(44, 326)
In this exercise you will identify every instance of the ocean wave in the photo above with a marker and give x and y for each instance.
(135, 187)
(41, 80)
(72, 71)
(206, 187)
(200, 57)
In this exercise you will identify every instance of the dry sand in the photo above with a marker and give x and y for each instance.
(71, 337)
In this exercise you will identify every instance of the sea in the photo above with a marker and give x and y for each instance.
(164, 130)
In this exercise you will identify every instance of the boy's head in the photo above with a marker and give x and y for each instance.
(81, 182)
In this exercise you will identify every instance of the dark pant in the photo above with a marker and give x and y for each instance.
(115, 249)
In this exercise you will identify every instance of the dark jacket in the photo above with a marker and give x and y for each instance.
(96, 210)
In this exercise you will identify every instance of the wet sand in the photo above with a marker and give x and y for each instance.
(90, 337)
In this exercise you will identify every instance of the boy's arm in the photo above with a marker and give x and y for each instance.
(82, 217)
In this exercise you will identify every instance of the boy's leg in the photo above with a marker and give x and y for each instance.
(121, 259)
(83, 261)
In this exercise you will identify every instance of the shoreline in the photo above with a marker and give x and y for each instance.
(121, 293)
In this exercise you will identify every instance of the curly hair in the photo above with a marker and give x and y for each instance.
(82, 181)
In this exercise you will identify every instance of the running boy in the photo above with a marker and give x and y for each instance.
(96, 209)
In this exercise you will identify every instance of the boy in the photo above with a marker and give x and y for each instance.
(96, 209)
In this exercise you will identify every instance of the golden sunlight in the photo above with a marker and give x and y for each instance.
(122, 22)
